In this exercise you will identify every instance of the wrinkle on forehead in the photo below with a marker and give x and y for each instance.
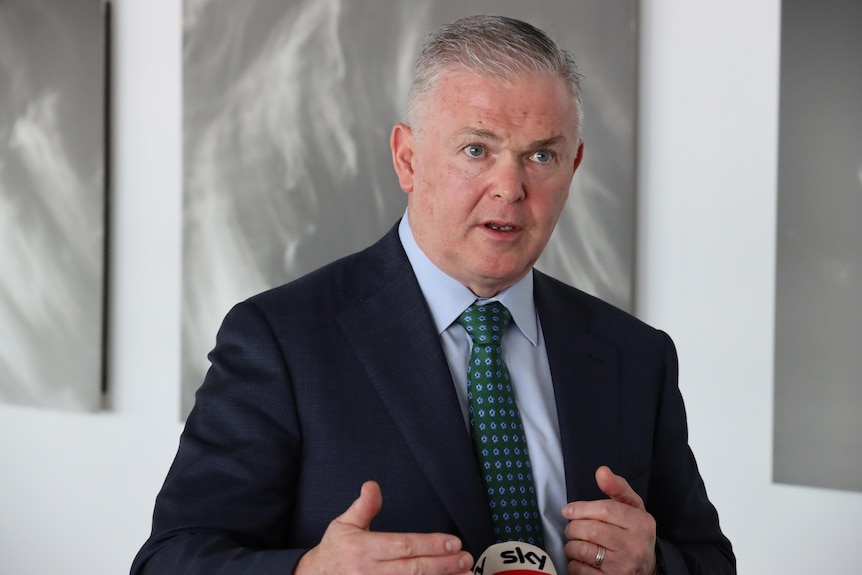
(459, 88)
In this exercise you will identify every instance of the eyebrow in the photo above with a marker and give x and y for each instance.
(480, 133)
(491, 136)
(549, 142)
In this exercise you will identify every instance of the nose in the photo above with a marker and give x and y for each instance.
(508, 180)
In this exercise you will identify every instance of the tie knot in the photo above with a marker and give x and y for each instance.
(485, 323)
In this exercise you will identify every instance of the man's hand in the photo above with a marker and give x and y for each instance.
(621, 525)
(349, 547)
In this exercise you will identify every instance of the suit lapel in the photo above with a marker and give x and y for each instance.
(584, 370)
(393, 334)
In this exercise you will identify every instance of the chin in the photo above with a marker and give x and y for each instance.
(501, 279)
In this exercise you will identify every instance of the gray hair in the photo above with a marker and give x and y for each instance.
(493, 46)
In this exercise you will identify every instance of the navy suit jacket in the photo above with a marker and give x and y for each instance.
(339, 377)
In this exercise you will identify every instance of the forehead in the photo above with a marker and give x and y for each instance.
(537, 102)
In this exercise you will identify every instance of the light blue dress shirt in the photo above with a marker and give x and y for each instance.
(527, 359)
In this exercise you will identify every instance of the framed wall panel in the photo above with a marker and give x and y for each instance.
(288, 106)
(52, 202)
(818, 323)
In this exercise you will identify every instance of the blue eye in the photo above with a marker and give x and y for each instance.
(474, 151)
(543, 156)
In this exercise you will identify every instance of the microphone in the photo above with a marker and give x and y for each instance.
(514, 558)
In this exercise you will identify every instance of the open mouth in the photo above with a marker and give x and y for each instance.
(500, 228)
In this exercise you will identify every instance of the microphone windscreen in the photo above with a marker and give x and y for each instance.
(514, 558)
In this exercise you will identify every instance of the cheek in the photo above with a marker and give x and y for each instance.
(449, 193)
(561, 203)
(553, 203)
(429, 200)
(561, 193)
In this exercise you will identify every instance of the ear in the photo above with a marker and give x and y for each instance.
(401, 142)
(579, 156)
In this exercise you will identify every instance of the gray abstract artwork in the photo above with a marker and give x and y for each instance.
(288, 106)
(818, 323)
(52, 202)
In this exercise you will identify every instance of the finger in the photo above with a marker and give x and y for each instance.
(617, 488)
(585, 552)
(385, 554)
(390, 546)
(600, 510)
(450, 564)
(598, 530)
(364, 508)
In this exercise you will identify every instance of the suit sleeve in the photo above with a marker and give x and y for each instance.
(690, 540)
(226, 502)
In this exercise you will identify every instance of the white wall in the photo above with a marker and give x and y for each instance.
(706, 270)
(76, 491)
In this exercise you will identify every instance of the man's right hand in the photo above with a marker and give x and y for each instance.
(350, 547)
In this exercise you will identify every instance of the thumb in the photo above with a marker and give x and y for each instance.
(365, 507)
(617, 488)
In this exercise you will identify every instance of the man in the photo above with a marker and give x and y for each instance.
(354, 378)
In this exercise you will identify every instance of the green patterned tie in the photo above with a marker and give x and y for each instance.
(498, 433)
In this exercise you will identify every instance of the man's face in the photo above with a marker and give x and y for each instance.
(487, 168)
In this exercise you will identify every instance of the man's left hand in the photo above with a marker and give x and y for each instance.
(620, 525)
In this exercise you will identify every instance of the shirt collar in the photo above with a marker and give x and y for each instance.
(447, 297)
